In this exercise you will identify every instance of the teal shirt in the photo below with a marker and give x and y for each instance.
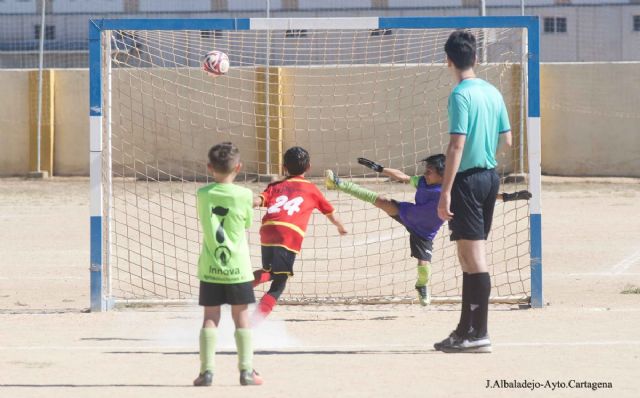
(225, 212)
(477, 110)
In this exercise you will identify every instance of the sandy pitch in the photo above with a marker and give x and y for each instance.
(587, 333)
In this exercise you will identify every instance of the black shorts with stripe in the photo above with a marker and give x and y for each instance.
(278, 260)
(214, 294)
(473, 198)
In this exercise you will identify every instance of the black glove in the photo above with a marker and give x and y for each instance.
(371, 164)
(520, 195)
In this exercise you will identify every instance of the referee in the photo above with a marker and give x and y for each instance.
(478, 122)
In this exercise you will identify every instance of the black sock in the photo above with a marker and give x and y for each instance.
(465, 310)
(480, 287)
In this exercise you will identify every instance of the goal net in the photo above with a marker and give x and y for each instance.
(339, 92)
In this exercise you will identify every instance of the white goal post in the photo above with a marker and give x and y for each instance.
(340, 87)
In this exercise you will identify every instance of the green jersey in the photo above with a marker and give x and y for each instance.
(477, 110)
(225, 212)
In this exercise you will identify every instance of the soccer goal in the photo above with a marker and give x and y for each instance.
(342, 88)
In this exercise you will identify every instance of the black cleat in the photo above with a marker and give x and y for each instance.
(457, 344)
(204, 379)
(250, 378)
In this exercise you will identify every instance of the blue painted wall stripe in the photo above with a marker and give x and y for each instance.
(535, 224)
(95, 269)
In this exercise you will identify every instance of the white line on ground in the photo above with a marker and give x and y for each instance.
(45, 278)
(594, 274)
(626, 263)
(361, 347)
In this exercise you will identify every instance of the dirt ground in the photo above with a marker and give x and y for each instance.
(586, 334)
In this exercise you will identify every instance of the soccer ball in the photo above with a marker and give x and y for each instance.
(216, 63)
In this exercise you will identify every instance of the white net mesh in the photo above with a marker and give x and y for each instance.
(341, 94)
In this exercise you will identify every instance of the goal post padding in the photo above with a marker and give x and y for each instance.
(338, 91)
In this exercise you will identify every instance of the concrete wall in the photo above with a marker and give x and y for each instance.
(397, 116)
(591, 119)
(165, 122)
(71, 122)
(14, 122)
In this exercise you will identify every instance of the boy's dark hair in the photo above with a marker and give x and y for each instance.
(224, 157)
(296, 160)
(461, 49)
(436, 162)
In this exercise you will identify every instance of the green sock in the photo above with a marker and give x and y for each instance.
(207, 348)
(424, 273)
(357, 191)
(245, 350)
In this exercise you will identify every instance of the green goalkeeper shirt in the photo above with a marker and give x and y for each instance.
(225, 212)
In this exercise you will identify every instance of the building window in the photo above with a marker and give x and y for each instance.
(636, 23)
(295, 33)
(561, 25)
(555, 25)
(49, 32)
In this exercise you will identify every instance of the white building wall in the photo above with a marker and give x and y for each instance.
(596, 33)
(558, 46)
(315, 4)
(631, 39)
(245, 5)
(425, 3)
(173, 5)
(92, 6)
(17, 6)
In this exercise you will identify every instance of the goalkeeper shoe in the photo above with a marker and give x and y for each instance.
(423, 295)
(458, 344)
(330, 180)
(250, 378)
(204, 379)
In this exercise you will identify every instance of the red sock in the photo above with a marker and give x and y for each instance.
(260, 276)
(263, 309)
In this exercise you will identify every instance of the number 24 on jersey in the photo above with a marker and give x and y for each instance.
(283, 202)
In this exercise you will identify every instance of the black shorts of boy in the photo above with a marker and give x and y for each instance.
(420, 248)
(473, 198)
(214, 294)
(278, 260)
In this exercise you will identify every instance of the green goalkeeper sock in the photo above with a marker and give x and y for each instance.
(424, 273)
(357, 191)
(245, 349)
(207, 348)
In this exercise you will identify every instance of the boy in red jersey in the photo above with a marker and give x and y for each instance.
(289, 205)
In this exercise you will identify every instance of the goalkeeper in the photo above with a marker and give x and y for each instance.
(420, 218)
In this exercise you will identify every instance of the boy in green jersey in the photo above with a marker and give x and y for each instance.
(225, 212)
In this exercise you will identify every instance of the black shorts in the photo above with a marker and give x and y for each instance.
(214, 294)
(420, 248)
(473, 198)
(278, 260)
